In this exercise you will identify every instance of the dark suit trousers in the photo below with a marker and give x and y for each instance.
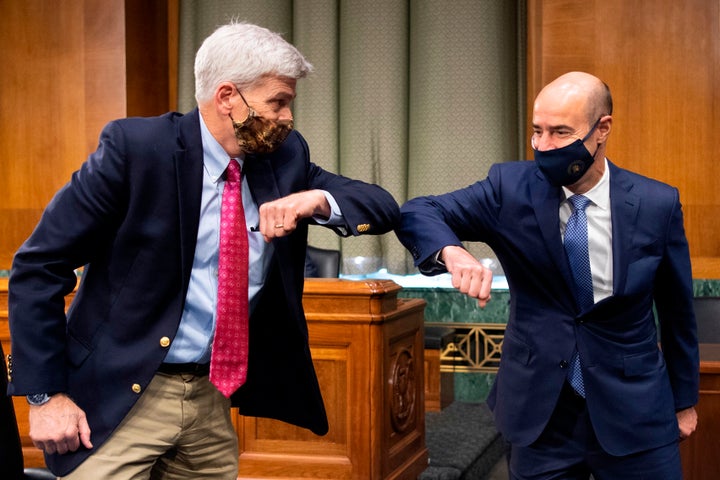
(569, 450)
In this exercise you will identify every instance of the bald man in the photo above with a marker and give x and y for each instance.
(583, 387)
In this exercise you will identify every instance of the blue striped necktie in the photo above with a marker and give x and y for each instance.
(576, 247)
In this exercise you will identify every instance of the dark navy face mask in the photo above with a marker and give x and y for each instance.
(566, 165)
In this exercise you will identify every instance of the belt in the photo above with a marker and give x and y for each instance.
(197, 369)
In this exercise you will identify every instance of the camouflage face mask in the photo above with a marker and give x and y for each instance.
(259, 135)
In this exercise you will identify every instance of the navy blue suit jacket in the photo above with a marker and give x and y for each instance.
(633, 388)
(130, 215)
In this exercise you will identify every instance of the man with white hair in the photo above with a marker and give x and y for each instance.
(131, 383)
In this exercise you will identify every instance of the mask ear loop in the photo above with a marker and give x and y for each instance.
(597, 146)
(251, 113)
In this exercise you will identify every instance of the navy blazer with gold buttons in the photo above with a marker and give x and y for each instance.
(130, 216)
(633, 387)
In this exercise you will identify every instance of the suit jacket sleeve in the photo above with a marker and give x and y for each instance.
(673, 301)
(368, 209)
(78, 220)
(432, 222)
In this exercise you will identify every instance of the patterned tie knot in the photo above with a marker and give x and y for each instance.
(233, 171)
(579, 202)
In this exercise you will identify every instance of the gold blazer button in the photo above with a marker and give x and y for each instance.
(136, 388)
(164, 342)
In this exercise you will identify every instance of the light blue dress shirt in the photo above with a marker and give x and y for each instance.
(194, 337)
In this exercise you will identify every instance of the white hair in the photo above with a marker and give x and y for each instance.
(243, 53)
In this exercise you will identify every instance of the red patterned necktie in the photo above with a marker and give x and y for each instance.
(228, 364)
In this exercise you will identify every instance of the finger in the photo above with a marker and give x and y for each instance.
(267, 220)
(84, 432)
(44, 446)
(481, 281)
(486, 286)
(291, 218)
(482, 303)
(456, 279)
(267, 228)
(61, 447)
(72, 443)
(459, 280)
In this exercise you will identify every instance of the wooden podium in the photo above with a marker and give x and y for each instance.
(367, 348)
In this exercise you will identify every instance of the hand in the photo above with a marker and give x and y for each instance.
(687, 421)
(280, 217)
(59, 426)
(468, 275)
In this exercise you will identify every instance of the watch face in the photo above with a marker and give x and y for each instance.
(38, 398)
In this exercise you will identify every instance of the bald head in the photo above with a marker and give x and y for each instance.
(581, 91)
(573, 107)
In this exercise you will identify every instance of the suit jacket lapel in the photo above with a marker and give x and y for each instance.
(264, 188)
(261, 179)
(189, 175)
(546, 202)
(624, 210)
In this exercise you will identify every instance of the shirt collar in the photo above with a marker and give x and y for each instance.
(599, 195)
(215, 158)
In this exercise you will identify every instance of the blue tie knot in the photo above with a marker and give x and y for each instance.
(579, 202)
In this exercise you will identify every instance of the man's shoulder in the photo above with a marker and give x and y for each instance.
(515, 171)
(515, 167)
(163, 131)
(169, 119)
(639, 182)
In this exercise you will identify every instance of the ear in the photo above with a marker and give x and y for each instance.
(223, 98)
(604, 127)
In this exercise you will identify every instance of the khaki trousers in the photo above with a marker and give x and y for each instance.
(179, 429)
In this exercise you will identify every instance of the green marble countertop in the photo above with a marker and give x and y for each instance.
(448, 305)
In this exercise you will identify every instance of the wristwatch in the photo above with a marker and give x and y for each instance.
(37, 399)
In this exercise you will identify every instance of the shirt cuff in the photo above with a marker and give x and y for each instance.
(336, 216)
(434, 265)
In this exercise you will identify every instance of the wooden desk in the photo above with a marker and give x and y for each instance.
(367, 347)
(701, 452)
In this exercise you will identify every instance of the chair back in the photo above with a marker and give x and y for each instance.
(322, 263)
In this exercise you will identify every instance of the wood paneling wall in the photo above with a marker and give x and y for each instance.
(68, 68)
(661, 59)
